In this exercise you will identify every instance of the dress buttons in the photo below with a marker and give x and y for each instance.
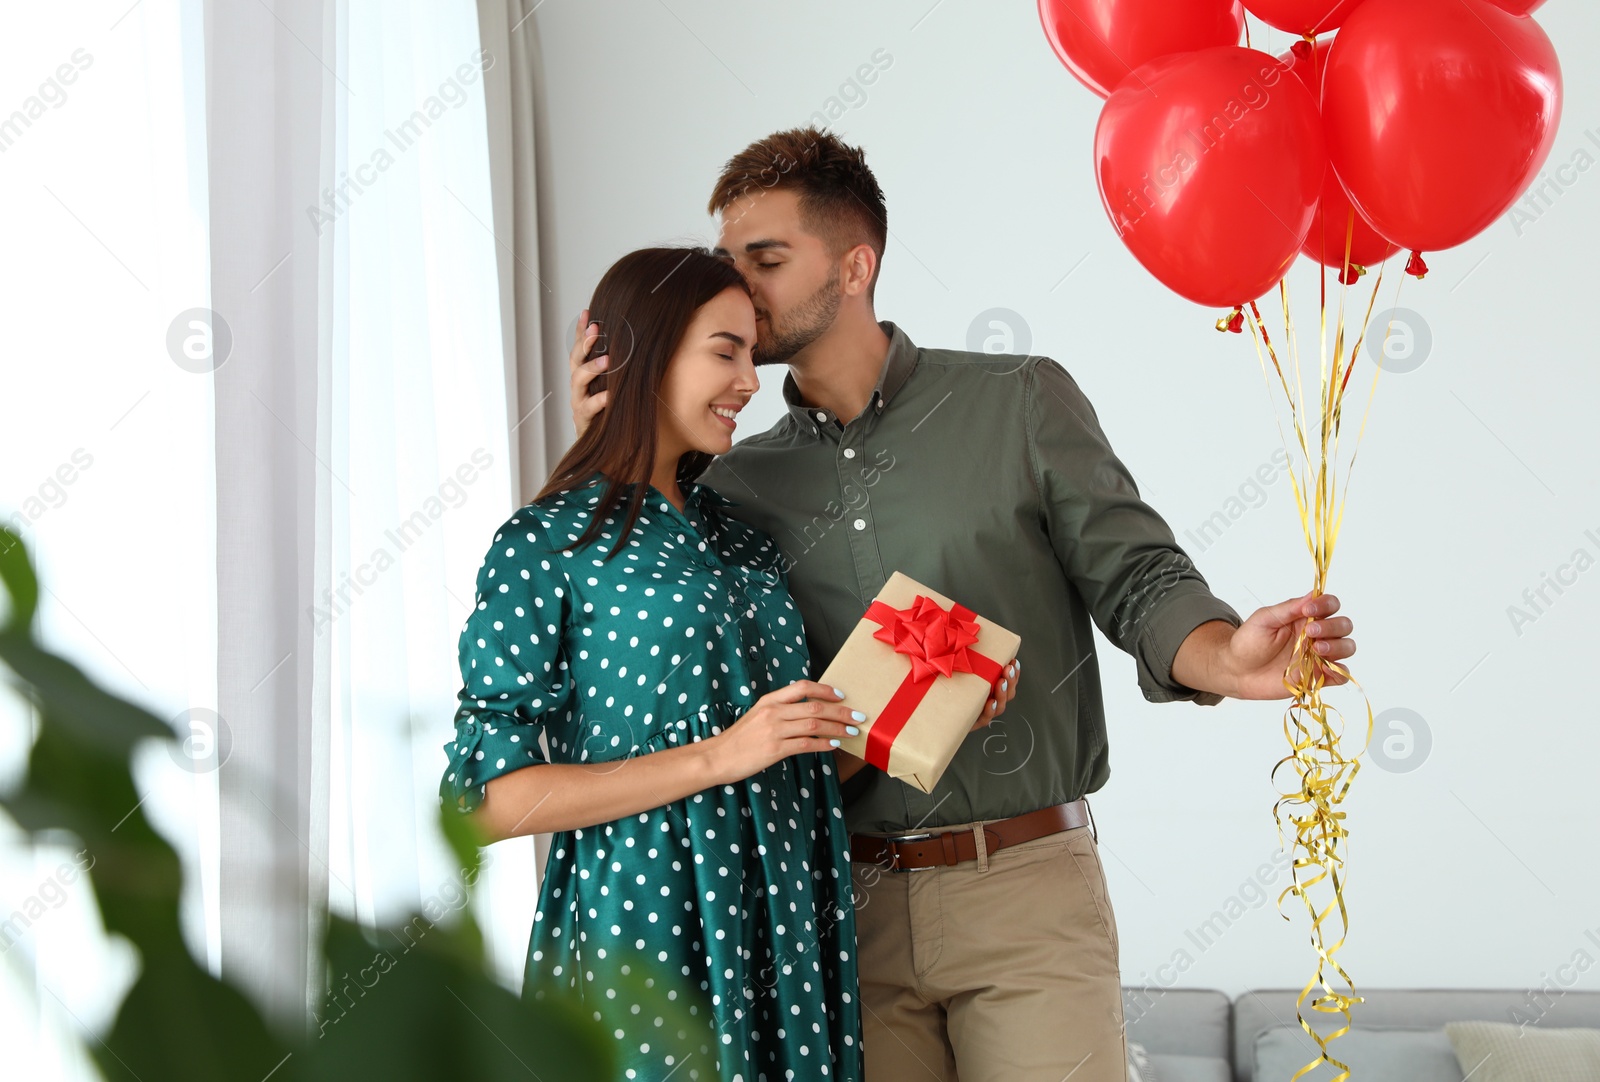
(860, 524)
(849, 452)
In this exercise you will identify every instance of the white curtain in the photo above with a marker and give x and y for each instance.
(286, 502)
(422, 437)
(270, 106)
(514, 98)
(106, 462)
(359, 504)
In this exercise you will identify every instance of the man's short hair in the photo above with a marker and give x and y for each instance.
(840, 200)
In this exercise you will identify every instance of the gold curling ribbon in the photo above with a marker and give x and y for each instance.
(1322, 769)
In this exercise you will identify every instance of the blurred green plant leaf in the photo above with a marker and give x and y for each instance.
(414, 1007)
(22, 586)
(433, 1012)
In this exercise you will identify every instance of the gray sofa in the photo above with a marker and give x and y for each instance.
(1202, 1036)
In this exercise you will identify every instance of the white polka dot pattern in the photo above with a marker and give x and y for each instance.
(737, 897)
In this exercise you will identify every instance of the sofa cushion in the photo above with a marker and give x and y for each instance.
(1179, 1021)
(1502, 1052)
(1139, 1069)
(1262, 1009)
(1189, 1069)
(1374, 1054)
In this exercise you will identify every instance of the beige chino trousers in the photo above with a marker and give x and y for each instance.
(1000, 969)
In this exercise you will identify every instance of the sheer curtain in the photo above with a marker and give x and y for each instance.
(369, 461)
(257, 439)
(420, 383)
(106, 467)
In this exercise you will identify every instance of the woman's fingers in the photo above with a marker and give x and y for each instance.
(811, 708)
(804, 689)
(802, 745)
(829, 726)
(1007, 689)
(828, 721)
(810, 745)
(798, 742)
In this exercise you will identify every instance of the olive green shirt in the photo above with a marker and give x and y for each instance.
(986, 477)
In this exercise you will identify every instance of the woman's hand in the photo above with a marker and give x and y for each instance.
(803, 717)
(1007, 691)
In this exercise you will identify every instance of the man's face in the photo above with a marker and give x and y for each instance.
(792, 275)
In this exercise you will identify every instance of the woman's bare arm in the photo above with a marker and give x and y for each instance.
(546, 797)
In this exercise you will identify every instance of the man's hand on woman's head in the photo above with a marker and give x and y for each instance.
(585, 406)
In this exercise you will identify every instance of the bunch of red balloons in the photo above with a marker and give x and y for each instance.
(1415, 126)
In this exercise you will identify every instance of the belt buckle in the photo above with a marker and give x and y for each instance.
(896, 839)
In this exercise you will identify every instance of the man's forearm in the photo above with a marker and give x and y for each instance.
(847, 764)
(1200, 661)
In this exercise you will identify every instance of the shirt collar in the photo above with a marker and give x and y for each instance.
(694, 494)
(698, 493)
(897, 366)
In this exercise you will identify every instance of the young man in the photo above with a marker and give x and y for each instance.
(987, 943)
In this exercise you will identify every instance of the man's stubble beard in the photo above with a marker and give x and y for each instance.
(808, 322)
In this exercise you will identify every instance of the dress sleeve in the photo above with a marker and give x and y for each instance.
(1142, 590)
(514, 673)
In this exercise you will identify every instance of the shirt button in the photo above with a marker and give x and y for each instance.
(849, 452)
(822, 415)
(860, 524)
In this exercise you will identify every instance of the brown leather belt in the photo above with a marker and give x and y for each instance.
(936, 849)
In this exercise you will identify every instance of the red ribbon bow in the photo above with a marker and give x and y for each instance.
(937, 641)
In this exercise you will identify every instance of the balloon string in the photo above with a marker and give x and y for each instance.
(1310, 809)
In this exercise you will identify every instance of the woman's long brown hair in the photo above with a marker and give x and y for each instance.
(643, 304)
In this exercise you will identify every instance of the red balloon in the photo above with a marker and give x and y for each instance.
(1210, 164)
(1101, 41)
(1304, 16)
(1438, 115)
(1326, 241)
(1519, 7)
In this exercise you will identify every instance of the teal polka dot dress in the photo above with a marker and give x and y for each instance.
(737, 897)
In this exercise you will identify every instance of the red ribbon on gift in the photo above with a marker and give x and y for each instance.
(937, 641)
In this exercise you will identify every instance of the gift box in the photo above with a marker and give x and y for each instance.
(922, 668)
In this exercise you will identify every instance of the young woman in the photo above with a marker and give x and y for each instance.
(688, 775)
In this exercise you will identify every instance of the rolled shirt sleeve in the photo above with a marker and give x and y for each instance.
(513, 672)
(1142, 590)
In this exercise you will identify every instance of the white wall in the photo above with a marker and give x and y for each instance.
(1476, 477)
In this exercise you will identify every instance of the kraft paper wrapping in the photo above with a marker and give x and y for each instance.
(870, 672)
